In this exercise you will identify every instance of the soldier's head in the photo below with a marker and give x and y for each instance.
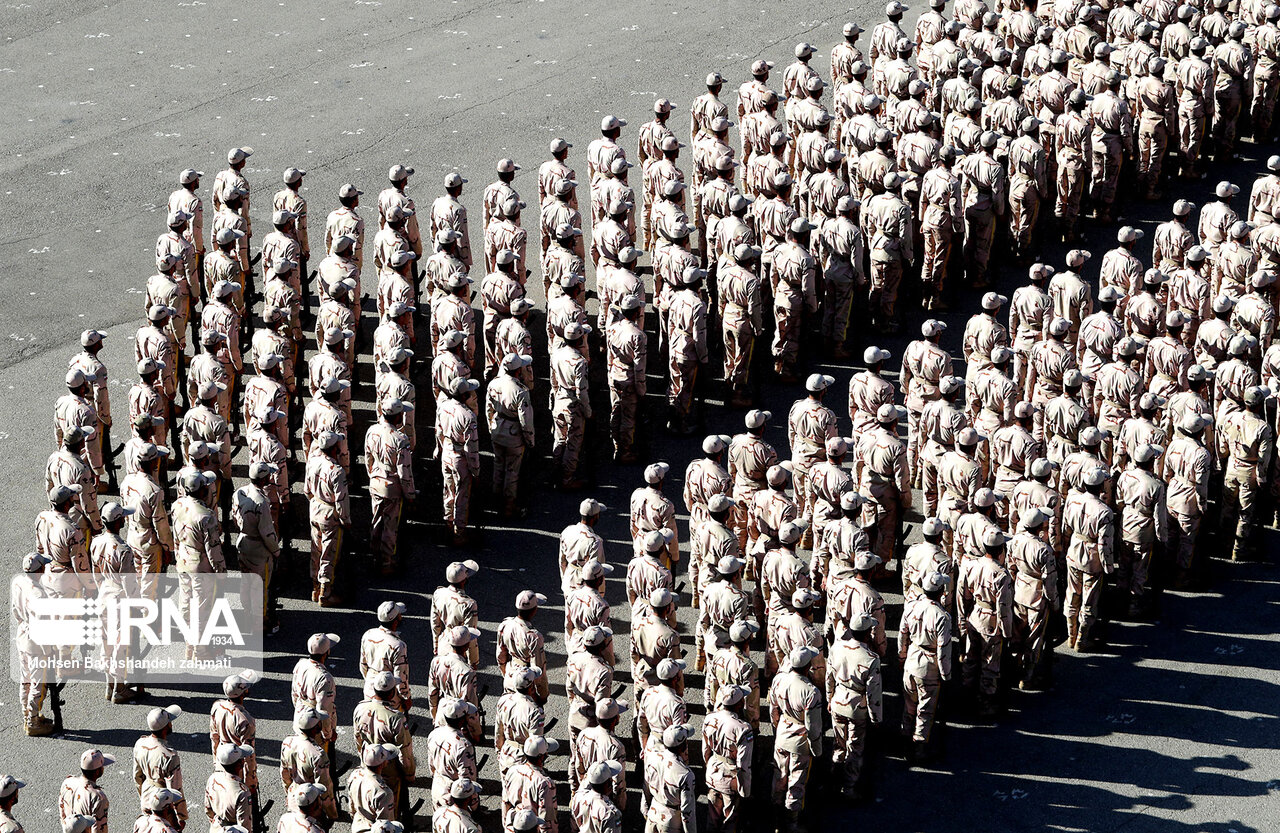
(813, 87)
(851, 505)
(1149, 404)
(715, 82)
(62, 497)
(506, 170)
(1200, 379)
(600, 776)
(1042, 469)
(398, 360)
(802, 602)
(934, 529)
(662, 110)
(1226, 191)
(864, 563)
(511, 209)
(560, 148)
(782, 184)
(985, 500)
(594, 572)
(816, 385)
(150, 455)
(755, 422)
(1256, 398)
(851, 32)
(93, 762)
(967, 441)
(993, 544)
(720, 507)
(236, 686)
(234, 198)
(458, 573)
(527, 604)
(114, 516)
(456, 712)
(1025, 412)
(1095, 480)
(306, 797)
(375, 756)
(1145, 456)
(895, 10)
(874, 358)
(732, 698)
(760, 70)
(453, 182)
(670, 672)
(589, 511)
(318, 647)
(1072, 382)
(401, 313)
(725, 167)
(675, 738)
(798, 231)
(847, 207)
(575, 334)
(861, 627)
(778, 144)
(934, 586)
(618, 210)
(769, 102)
(398, 216)
(611, 127)
(447, 241)
(349, 195)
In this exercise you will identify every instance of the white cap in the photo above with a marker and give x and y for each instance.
(229, 754)
(612, 123)
(655, 472)
(322, 643)
(390, 611)
(818, 382)
(158, 718)
(875, 355)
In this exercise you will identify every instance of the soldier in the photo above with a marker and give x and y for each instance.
(521, 645)
(656, 668)
(598, 743)
(313, 686)
(728, 744)
(452, 606)
(686, 338)
(389, 466)
(883, 478)
(454, 815)
(372, 798)
(589, 675)
(1089, 526)
(527, 786)
(704, 478)
(382, 649)
(448, 212)
(28, 590)
(585, 605)
(984, 605)
(519, 714)
(580, 543)
(794, 274)
(377, 720)
(670, 784)
(925, 557)
(232, 216)
(601, 154)
(452, 675)
(450, 752)
(982, 184)
(740, 313)
(750, 458)
(327, 489)
(924, 649)
(1074, 160)
(156, 764)
(1188, 464)
(304, 799)
(509, 414)
(853, 692)
(80, 796)
(227, 801)
(795, 705)
(592, 807)
(554, 170)
(570, 403)
(1232, 60)
(460, 454)
(230, 722)
(1249, 443)
(1144, 524)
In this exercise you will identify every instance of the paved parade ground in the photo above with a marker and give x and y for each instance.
(1173, 727)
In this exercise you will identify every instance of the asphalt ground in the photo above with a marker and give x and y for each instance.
(1172, 728)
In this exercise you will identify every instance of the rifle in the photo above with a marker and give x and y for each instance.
(260, 811)
(55, 704)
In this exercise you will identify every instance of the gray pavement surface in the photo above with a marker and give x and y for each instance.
(1173, 728)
